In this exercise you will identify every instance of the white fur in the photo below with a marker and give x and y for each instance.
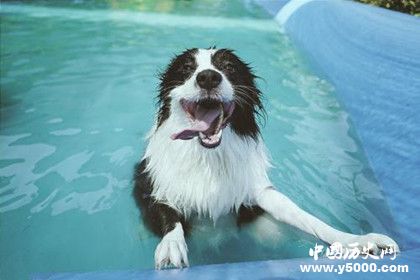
(211, 182)
(172, 249)
(284, 210)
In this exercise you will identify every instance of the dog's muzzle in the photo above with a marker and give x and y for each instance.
(207, 117)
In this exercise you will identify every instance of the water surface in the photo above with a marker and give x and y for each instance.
(77, 98)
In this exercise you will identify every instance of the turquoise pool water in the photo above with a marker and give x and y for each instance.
(77, 98)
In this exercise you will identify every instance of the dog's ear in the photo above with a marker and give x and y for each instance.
(249, 110)
(179, 69)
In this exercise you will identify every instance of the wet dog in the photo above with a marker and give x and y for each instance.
(205, 157)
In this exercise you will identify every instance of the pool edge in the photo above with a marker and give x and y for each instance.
(364, 32)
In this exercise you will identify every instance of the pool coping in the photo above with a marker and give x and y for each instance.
(272, 269)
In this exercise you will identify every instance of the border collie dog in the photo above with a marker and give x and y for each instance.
(205, 157)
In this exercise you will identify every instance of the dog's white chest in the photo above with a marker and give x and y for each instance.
(210, 182)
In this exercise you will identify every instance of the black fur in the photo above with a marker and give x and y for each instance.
(247, 95)
(160, 218)
(178, 71)
(248, 214)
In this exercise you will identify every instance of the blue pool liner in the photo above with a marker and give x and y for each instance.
(372, 57)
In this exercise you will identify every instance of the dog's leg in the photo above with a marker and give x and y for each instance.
(172, 249)
(163, 220)
(284, 210)
(167, 223)
(248, 214)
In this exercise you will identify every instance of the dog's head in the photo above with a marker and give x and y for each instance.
(210, 89)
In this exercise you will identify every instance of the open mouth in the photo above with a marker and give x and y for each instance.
(208, 118)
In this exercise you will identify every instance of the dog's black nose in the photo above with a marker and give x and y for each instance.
(208, 79)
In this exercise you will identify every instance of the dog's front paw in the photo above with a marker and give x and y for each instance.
(172, 250)
(376, 242)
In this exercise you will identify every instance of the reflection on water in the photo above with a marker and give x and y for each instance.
(77, 88)
(217, 8)
(92, 191)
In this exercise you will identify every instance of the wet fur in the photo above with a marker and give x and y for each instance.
(177, 179)
(161, 188)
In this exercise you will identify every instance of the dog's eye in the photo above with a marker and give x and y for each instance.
(228, 67)
(187, 67)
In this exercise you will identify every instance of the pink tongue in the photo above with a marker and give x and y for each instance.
(203, 120)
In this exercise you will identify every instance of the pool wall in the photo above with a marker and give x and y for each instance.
(276, 269)
(372, 57)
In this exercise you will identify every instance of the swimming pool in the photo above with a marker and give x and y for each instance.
(77, 88)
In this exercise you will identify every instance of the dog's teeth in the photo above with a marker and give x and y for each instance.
(221, 117)
(202, 135)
